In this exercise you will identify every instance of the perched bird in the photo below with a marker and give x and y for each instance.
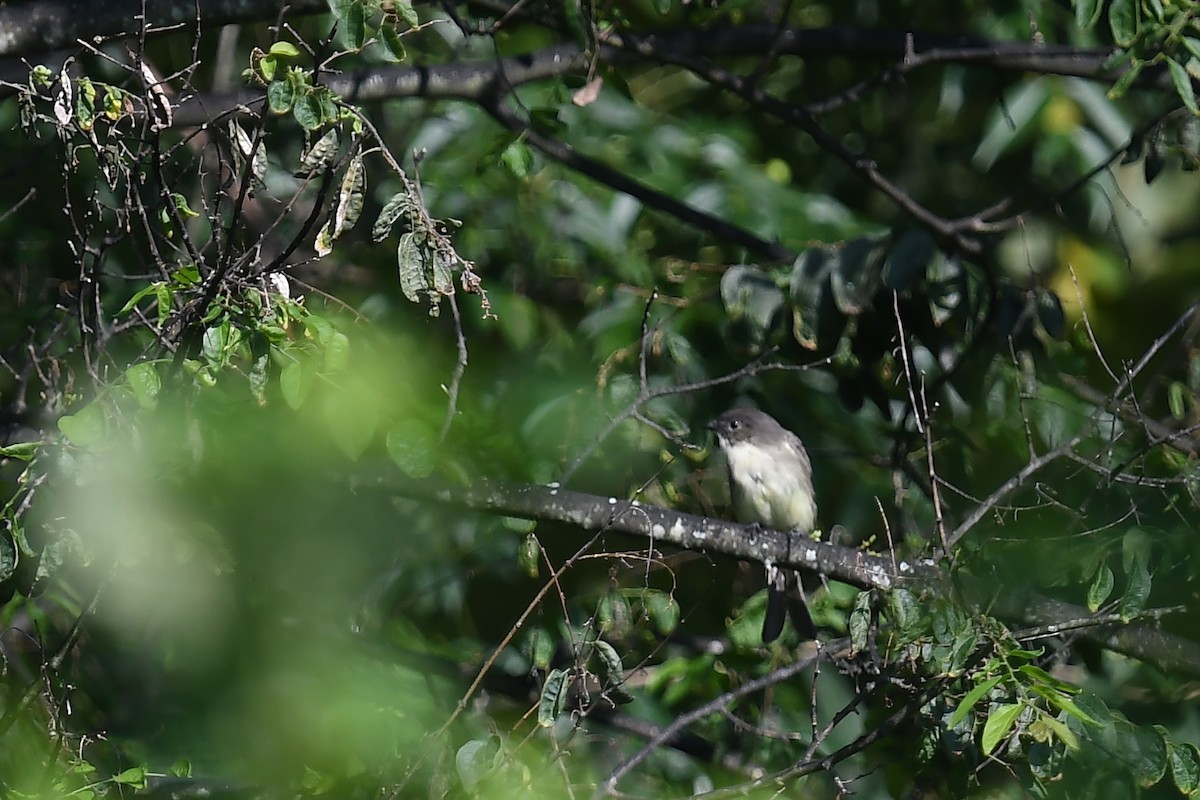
(770, 480)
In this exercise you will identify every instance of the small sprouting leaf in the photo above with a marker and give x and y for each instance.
(413, 448)
(392, 210)
(321, 154)
(350, 197)
(138, 296)
(295, 382)
(144, 381)
(998, 725)
(267, 66)
(391, 43)
(553, 698)
(414, 279)
(181, 205)
(281, 95)
(1100, 588)
(1177, 399)
(85, 104)
(114, 103)
(40, 76)
(285, 49)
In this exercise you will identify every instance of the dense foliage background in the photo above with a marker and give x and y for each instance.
(336, 338)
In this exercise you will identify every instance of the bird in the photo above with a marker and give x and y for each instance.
(770, 482)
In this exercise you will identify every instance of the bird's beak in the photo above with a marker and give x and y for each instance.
(711, 425)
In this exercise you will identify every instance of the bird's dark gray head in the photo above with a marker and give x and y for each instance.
(745, 424)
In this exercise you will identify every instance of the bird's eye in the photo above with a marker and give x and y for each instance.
(734, 424)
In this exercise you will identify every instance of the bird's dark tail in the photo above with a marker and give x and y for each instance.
(785, 596)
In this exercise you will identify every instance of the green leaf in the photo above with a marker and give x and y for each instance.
(1087, 13)
(413, 448)
(355, 22)
(308, 112)
(1123, 19)
(529, 556)
(215, 344)
(352, 421)
(85, 104)
(664, 611)
(404, 10)
(971, 698)
(410, 261)
(134, 776)
(85, 427)
(999, 724)
(1064, 733)
(267, 66)
(23, 451)
(285, 49)
(399, 205)
(474, 761)
(857, 274)
(350, 197)
(1183, 85)
(1135, 559)
(138, 296)
(323, 152)
(612, 671)
(553, 698)
(1146, 754)
(1100, 588)
(1185, 767)
(144, 381)
(517, 158)
(337, 352)
(280, 96)
(391, 43)
(296, 380)
(860, 622)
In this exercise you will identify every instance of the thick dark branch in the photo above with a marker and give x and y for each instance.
(36, 27)
(1144, 641)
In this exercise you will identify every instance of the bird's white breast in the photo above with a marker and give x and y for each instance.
(771, 491)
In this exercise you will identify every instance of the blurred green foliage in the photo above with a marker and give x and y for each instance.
(197, 587)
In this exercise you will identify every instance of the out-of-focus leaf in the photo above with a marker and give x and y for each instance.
(856, 274)
(1135, 557)
(972, 698)
(1050, 313)
(413, 448)
(296, 380)
(474, 761)
(907, 259)
(144, 382)
(85, 427)
(1087, 13)
(751, 297)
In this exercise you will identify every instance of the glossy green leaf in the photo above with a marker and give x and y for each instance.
(971, 698)
(1101, 587)
(1123, 20)
(999, 724)
(1183, 85)
(308, 111)
(281, 95)
(404, 10)
(285, 49)
(392, 44)
(1185, 768)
